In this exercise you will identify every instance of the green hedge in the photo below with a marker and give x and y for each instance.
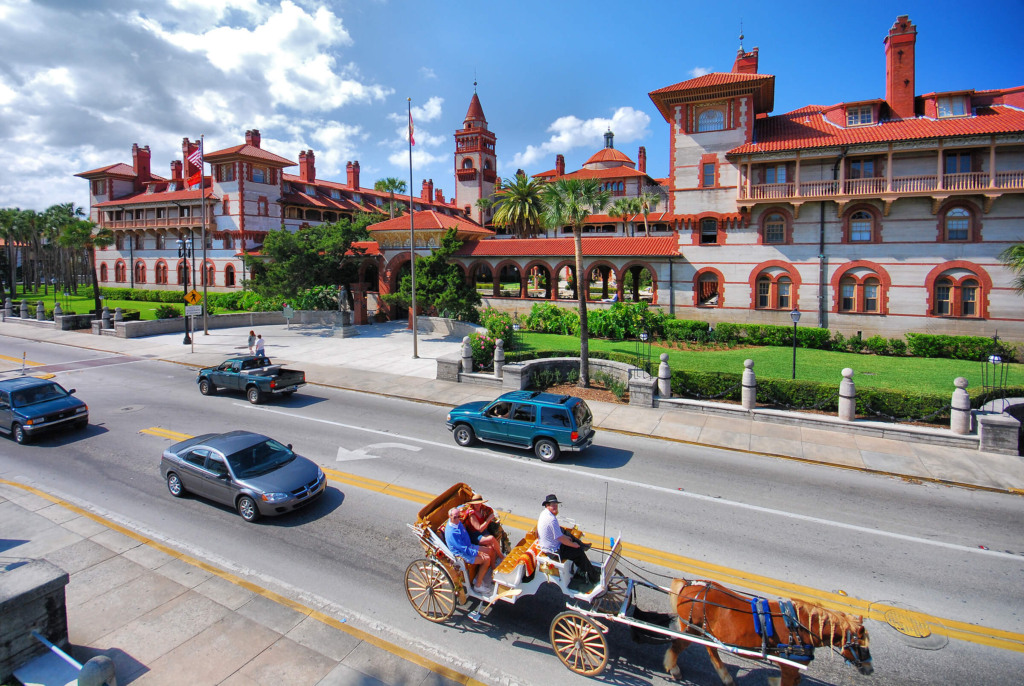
(975, 348)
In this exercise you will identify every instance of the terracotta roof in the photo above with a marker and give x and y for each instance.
(371, 248)
(609, 155)
(563, 247)
(163, 197)
(247, 150)
(342, 204)
(716, 85)
(610, 173)
(713, 79)
(806, 128)
(119, 169)
(545, 174)
(431, 220)
(651, 218)
(475, 111)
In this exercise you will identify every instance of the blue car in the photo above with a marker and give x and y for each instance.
(30, 406)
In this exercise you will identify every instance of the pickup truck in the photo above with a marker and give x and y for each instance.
(256, 375)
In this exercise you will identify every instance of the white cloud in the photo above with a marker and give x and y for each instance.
(699, 71)
(569, 132)
(427, 73)
(420, 158)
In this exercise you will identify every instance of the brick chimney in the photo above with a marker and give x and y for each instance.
(746, 62)
(427, 190)
(439, 196)
(176, 170)
(899, 68)
(187, 147)
(352, 171)
(253, 138)
(307, 166)
(559, 165)
(140, 163)
(641, 159)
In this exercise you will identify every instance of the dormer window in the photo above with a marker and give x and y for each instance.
(336, 194)
(310, 190)
(952, 106)
(859, 115)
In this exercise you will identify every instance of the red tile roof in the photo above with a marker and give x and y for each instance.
(119, 169)
(370, 248)
(563, 247)
(247, 150)
(609, 155)
(431, 220)
(475, 110)
(718, 84)
(713, 79)
(611, 173)
(162, 197)
(808, 128)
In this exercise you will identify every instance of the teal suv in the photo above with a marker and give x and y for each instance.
(544, 422)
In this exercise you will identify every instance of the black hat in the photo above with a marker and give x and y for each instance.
(551, 498)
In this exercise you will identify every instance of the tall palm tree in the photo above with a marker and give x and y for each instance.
(1013, 259)
(29, 233)
(519, 205)
(390, 185)
(484, 204)
(625, 208)
(82, 235)
(9, 232)
(648, 200)
(62, 258)
(570, 201)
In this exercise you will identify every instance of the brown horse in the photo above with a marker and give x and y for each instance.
(710, 610)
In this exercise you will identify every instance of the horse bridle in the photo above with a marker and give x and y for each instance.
(852, 644)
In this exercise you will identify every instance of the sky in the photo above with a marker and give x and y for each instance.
(82, 80)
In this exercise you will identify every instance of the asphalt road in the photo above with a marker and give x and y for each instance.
(773, 526)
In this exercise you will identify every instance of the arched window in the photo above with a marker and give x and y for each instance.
(958, 289)
(775, 288)
(710, 120)
(140, 272)
(848, 294)
(860, 227)
(764, 292)
(708, 290)
(958, 224)
(861, 288)
(182, 273)
(120, 272)
(210, 274)
(872, 289)
(775, 228)
(229, 275)
(943, 293)
(103, 272)
(161, 272)
(228, 242)
(467, 163)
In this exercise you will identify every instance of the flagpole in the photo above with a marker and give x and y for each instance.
(412, 239)
(202, 191)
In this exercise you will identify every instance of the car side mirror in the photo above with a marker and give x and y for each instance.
(289, 446)
(225, 477)
(71, 392)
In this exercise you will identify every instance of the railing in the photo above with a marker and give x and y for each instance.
(871, 186)
(914, 184)
(971, 181)
(1011, 179)
(151, 223)
(465, 174)
(767, 191)
(818, 188)
(875, 186)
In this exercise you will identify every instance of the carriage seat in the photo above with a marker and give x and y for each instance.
(553, 566)
(520, 563)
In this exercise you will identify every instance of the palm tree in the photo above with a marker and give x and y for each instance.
(83, 235)
(519, 205)
(390, 185)
(570, 201)
(626, 207)
(484, 204)
(9, 232)
(1013, 259)
(648, 200)
(29, 232)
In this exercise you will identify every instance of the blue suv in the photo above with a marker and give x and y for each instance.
(545, 422)
(29, 405)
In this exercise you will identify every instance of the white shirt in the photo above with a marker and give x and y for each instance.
(548, 531)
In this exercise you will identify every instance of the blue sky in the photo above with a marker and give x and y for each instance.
(81, 80)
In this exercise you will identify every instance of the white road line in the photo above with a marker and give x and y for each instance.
(658, 489)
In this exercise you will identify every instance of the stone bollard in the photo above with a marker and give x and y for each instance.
(8, 308)
(748, 394)
(105, 318)
(664, 378)
(467, 356)
(847, 397)
(960, 412)
(40, 311)
(24, 308)
(118, 314)
(499, 358)
(57, 312)
(99, 671)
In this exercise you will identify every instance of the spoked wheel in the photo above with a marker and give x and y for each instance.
(431, 590)
(579, 644)
(611, 601)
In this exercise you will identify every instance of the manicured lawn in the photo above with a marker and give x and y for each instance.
(81, 305)
(903, 373)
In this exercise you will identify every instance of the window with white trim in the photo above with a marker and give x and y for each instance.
(859, 115)
(952, 106)
(775, 229)
(958, 224)
(860, 226)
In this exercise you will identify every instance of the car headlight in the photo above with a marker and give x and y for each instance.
(80, 410)
(449, 417)
(274, 497)
(319, 474)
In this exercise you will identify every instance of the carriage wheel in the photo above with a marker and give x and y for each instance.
(611, 601)
(579, 644)
(431, 590)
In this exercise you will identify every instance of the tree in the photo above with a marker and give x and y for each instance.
(83, 235)
(569, 201)
(9, 232)
(519, 205)
(484, 204)
(441, 287)
(390, 185)
(648, 200)
(625, 208)
(1013, 259)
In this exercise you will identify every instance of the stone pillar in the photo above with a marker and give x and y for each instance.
(8, 308)
(499, 357)
(359, 298)
(118, 315)
(467, 356)
(57, 312)
(40, 311)
(847, 397)
(960, 412)
(105, 318)
(664, 378)
(748, 394)
(24, 308)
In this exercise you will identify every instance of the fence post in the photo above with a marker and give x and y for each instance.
(8, 308)
(118, 315)
(467, 356)
(24, 308)
(748, 394)
(664, 378)
(105, 318)
(499, 358)
(40, 311)
(847, 397)
(960, 410)
(57, 312)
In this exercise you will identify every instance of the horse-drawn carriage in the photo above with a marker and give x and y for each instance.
(703, 612)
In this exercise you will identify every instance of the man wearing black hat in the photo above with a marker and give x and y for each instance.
(554, 540)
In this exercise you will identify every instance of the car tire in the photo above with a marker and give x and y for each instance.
(174, 485)
(81, 425)
(247, 509)
(254, 395)
(206, 387)
(546, 450)
(464, 435)
(19, 435)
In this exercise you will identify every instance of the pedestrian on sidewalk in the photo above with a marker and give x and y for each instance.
(252, 342)
(259, 345)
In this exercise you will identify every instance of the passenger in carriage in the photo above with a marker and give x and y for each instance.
(457, 539)
(479, 522)
(554, 540)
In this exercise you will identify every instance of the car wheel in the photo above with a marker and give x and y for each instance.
(247, 508)
(254, 395)
(19, 434)
(464, 435)
(206, 387)
(174, 485)
(546, 449)
(82, 425)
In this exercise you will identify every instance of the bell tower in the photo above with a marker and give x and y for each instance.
(476, 169)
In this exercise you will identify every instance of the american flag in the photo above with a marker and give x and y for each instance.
(196, 158)
(412, 141)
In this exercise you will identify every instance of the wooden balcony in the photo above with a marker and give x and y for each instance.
(162, 223)
(465, 174)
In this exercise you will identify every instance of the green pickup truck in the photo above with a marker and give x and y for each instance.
(256, 375)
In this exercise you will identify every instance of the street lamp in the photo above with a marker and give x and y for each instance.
(795, 316)
(53, 282)
(185, 253)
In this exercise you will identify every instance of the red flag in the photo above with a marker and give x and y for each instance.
(412, 141)
(195, 178)
(196, 158)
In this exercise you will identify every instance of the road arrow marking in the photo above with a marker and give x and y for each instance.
(346, 455)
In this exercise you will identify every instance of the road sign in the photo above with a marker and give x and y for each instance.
(288, 312)
(193, 310)
(193, 296)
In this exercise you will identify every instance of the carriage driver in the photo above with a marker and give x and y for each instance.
(457, 539)
(555, 541)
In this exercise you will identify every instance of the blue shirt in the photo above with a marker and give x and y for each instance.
(457, 539)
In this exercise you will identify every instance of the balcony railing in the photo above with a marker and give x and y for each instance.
(876, 186)
(465, 174)
(164, 222)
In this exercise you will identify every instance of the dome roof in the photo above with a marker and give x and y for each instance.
(609, 157)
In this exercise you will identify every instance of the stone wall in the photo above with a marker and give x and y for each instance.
(154, 327)
(31, 599)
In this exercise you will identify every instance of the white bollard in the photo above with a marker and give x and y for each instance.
(499, 358)
(467, 356)
(960, 412)
(664, 378)
(847, 397)
(748, 393)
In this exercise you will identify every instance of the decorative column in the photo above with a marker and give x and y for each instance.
(467, 356)
(748, 394)
(960, 408)
(8, 308)
(105, 318)
(24, 308)
(359, 297)
(664, 378)
(847, 397)
(40, 311)
(499, 358)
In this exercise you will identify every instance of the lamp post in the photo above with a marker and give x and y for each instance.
(185, 253)
(53, 282)
(795, 316)
(515, 335)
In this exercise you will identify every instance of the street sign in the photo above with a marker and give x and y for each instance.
(193, 296)
(193, 310)
(288, 312)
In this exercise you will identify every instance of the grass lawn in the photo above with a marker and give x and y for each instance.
(81, 305)
(870, 371)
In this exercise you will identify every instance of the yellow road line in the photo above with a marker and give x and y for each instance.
(987, 636)
(396, 650)
(19, 360)
(165, 433)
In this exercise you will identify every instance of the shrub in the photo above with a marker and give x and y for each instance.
(324, 298)
(483, 350)
(550, 318)
(617, 388)
(956, 347)
(167, 312)
(498, 324)
(685, 330)
(877, 345)
(897, 347)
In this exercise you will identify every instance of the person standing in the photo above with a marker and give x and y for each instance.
(553, 539)
(259, 345)
(252, 342)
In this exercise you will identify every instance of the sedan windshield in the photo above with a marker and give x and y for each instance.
(259, 459)
(37, 394)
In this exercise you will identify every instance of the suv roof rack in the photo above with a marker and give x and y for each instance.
(564, 399)
(534, 394)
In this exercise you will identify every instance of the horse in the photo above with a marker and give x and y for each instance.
(789, 629)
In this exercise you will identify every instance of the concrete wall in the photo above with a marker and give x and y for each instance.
(31, 599)
(217, 321)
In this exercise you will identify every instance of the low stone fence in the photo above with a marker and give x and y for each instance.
(31, 599)
(153, 327)
(447, 327)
